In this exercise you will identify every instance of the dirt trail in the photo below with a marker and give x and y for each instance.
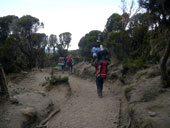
(85, 109)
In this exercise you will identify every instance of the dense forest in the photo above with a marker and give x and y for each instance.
(135, 38)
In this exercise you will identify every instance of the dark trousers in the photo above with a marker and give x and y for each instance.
(63, 67)
(70, 66)
(99, 83)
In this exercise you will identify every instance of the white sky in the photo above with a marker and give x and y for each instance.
(75, 16)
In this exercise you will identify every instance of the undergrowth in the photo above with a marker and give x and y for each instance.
(132, 65)
(54, 81)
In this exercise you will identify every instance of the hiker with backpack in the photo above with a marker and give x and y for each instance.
(62, 63)
(70, 63)
(101, 63)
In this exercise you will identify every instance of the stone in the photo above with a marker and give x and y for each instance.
(42, 93)
(152, 114)
(29, 112)
(14, 100)
(7, 119)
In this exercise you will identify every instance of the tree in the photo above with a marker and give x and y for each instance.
(22, 29)
(128, 13)
(140, 19)
(39, 43)
(87, 42)
(159, 10)
(65, 39)
(7, 44)
(138, 36)
(5, 23)
(161, 15)
(53, 42)
(118, 44)
(113, 23)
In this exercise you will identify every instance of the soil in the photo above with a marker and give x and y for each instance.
(85, 109)
(133, 100)
(148, 100)
(80, 108)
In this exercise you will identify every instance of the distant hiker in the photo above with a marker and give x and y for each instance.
(70, 63)
(101, 63)
(101, 75)
(99, 54)
(62, 62)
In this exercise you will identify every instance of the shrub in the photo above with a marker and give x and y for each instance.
(53, 80)
(133, 65)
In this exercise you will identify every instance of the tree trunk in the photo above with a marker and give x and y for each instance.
(164, 75)
(3, 83)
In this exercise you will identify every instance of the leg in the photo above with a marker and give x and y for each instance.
(71, 68)
(63, 69)
(99, 83)
(101, 87)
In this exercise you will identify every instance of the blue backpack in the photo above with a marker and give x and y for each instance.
(95, 51)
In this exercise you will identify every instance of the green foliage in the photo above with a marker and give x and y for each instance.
(20, 46)
(114, 23)
(65, 39)
(139, 33)
(53, 80)
(87, 42)
(132, 65)
(159, 10)
(158, 42)
(140, 19)
(118, 44)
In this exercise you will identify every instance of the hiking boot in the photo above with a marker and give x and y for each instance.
(100, 95)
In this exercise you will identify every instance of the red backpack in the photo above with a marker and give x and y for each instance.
(102, 69)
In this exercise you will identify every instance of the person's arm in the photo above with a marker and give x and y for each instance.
(95, 63)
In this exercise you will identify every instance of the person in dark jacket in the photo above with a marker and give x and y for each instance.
(101, 62)
(70, 63)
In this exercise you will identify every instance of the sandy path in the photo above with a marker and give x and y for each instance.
(85, 109)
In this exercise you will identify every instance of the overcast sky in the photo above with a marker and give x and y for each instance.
(75, 16)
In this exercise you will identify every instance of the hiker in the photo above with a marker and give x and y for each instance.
(62, 63)
(101, 63)
(70, 63)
